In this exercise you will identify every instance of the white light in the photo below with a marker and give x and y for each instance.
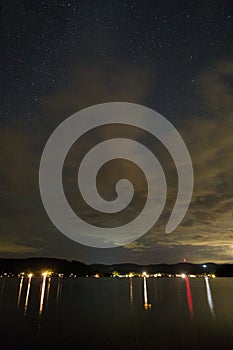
(209, 296)
(44, 274)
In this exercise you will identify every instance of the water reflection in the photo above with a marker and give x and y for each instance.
(146, 301)
(27, 294)
(189, 296)
(131, 290)
(47, 293)
(42, 293)
(20, 291)
(3, 287)
(87, 311)
(209, 297)
(59, 289)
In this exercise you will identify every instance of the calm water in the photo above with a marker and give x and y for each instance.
(162, 313)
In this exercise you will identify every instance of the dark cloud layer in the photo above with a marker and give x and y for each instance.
(59, 59)
(205, 233)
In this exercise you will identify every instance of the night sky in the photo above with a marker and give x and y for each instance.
(175, 57)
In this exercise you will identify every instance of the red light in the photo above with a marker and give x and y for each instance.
(189, 296)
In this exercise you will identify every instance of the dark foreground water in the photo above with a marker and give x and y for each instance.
(152, 313)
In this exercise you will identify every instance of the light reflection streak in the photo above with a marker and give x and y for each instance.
(189, 296)
(3, 287)
(42, 293)
(27, 294)
(146, 303)
(59, 289)
(48, 289)
(131, 290)
(20, 290)
(209, 296)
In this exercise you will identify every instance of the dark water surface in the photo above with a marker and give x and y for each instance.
(138, 313)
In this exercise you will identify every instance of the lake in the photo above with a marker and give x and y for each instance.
(116, 313)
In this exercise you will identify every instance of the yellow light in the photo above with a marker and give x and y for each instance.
(46, 273)
(183, 275)
(30, 275)
(144, 274)
(27, 295)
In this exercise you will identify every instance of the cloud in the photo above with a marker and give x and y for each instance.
(206, 231)
(11, 249)
(209, 221)
(209, 140)
(92, 84)
(23, 218)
